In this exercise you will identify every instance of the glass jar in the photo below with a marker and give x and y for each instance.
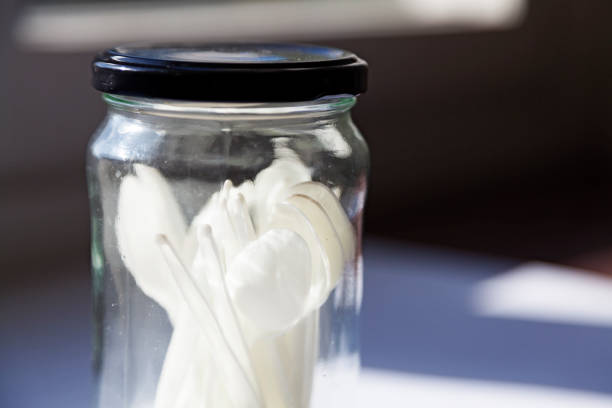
(226, 226)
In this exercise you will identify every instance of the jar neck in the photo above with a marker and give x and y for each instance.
(326, 107)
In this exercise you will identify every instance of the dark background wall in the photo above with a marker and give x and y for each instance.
(488, 141)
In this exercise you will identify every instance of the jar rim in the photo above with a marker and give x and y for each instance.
(325, 106)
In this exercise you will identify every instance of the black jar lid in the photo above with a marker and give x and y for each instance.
(229, 72)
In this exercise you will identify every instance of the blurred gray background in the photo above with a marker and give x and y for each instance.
(493, 139)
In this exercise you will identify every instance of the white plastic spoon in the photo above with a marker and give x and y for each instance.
(242, 393)
(269, 281)
(210, 278)
(329, 202)
(270, 185)
(308, 219)
(147, 207)
(185, 345)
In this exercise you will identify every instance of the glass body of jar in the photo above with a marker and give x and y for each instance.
(226, 253)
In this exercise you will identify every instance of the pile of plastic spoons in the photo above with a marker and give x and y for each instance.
(242, 285)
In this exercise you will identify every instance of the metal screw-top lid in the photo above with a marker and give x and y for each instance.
(230, 72)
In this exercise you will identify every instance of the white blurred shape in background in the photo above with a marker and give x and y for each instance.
(80, 26)
(550, 293)
(399, 390)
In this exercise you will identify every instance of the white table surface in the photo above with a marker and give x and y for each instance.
(427, 338)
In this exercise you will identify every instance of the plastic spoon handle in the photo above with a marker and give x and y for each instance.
(223, 306)
(242, 394)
